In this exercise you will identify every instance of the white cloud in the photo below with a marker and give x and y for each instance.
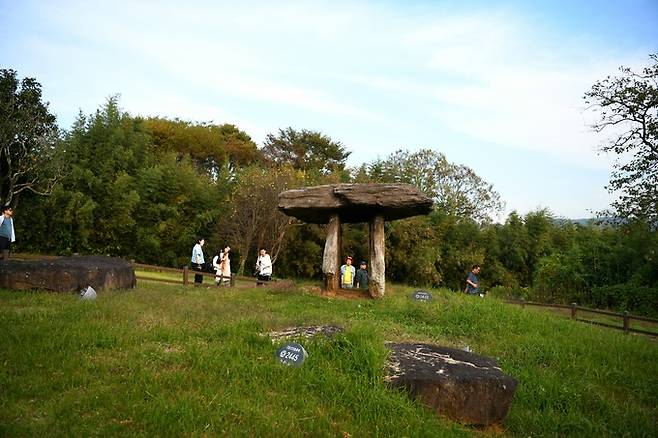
(383, 75)
(499, 82)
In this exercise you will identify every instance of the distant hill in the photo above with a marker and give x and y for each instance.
(597, 221)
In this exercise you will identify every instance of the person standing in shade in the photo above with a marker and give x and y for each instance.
(198, 261)
(7, 233)
(263, 267)
(225, 264)
(347, 273)
(361, 277)
(472, 283)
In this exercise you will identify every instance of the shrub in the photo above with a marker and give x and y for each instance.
(512, 293)
(626, 296)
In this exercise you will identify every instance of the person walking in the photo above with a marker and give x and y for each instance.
(7, 233)
(198, 261)
(347, 272)
(472, 283)
(263, 267)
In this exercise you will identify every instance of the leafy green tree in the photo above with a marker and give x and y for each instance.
(209, 146)
(560, 277)
(254, 220)
(28, 139)
(514, 248)
(412, 256)
(301, 256)
(461, 247)
(627, 105)
(540, 227)
(456, 189)
(177, 204)
(123, 196)
(305, 150)
(494, 271)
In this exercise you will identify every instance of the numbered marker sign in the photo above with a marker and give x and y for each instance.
(291, 354)
(88, 293)
(422, 295)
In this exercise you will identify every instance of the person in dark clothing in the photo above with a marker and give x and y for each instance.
(361, 277)
(472, 283)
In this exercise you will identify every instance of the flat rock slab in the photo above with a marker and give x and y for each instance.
(463, 386)
(68, 274)
(305, 332)
(354, 202)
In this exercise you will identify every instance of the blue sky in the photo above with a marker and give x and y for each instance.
(497, 86)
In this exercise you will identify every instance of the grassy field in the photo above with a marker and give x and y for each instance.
(596, 318)
(208, 280)
(168, 360)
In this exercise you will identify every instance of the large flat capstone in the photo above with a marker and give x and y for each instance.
(461, 385)
(354, 202)
(68, 274)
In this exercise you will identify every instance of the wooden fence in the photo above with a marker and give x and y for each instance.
(185, 273)
(574, 308)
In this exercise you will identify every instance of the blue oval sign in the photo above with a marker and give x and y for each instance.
(422, 295)
(291, 354)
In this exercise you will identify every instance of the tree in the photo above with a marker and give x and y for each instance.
(28, 138)
(456, 189)
(628, 105)
(539, 227)
(209, 146)
(255, 221)
(305, 150)
(514, 246)
(123, 196)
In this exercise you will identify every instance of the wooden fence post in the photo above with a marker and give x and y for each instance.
(573, 310)
(627, 321)
(185, 276)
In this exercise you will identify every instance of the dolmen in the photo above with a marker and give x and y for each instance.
(461, 385)
(353, 203)
(68, 274)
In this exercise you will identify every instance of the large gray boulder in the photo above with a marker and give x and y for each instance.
(68, 274)
(354, 202)
(461, 385)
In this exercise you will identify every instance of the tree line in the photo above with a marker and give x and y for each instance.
(146, 188)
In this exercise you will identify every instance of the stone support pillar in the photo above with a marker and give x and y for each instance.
(331, 257)
(376, 284)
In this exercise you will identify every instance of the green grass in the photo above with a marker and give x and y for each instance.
(583, 315)
(144, 274)
(167, 360)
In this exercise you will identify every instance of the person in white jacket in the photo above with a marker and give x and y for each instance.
(225, 267)
(263, 267)
(7, 233)
(219, 262)
(217, 267)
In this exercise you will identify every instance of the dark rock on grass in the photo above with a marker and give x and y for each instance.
(463, 386)
(68, 274)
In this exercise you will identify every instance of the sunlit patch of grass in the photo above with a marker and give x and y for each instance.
(174, 360)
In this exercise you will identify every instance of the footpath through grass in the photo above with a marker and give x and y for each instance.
(168, 360)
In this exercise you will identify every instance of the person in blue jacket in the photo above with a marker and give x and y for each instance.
(472, 282)
(7, 233)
